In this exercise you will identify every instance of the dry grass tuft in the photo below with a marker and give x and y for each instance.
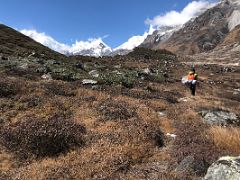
(226, 138)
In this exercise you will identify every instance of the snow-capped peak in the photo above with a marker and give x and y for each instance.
(92, 47)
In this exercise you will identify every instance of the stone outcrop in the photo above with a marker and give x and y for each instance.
(226, 168)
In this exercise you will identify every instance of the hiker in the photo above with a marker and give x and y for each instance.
(192, 81)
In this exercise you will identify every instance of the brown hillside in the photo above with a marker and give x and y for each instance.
(14, 43)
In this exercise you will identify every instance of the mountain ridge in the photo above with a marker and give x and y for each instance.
(205, 32)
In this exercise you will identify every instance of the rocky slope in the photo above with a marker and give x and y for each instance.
(205, 32)
(227, 52)
(159, 36)
(233, 38)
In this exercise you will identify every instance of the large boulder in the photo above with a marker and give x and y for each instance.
(89, 81)
(219, 117)
(226, 168)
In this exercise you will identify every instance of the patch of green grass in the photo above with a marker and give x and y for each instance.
(127, 79)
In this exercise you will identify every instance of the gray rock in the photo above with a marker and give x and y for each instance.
(146, 71)
(208, 46)
(53, 62)
(95, 87)
(171, 135)
(32, 54)
(94, 73)
(47, 77)
(89, 81)
(226, 168)
(79, 65)
(117, 72)
(117, 66)
(23, 66)
(162, 113)
(42, 70)
(217, 117)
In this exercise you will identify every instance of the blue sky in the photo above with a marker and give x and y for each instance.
(69, 20)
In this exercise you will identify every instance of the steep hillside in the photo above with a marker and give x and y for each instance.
(159, 36)
(232, 38)
(227, 52)
(203, 33)
(13, 43)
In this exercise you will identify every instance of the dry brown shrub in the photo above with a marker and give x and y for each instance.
(39, 138)
(55, 108)
(8, 88)
(60, 89)
(226, 138)
(113, 110)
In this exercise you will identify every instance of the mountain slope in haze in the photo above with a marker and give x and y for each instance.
(227, 52)
(233, 37)
(205, 32)
(16, 44)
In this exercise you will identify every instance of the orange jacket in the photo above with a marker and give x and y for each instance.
(192, 76)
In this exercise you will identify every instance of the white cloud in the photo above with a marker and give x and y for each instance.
(46, 40)
(92, 43)
(135, 41)
(174, 18)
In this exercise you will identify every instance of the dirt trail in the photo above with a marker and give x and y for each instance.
(202, 62)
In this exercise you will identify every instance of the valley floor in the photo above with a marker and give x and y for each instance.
(153, 130)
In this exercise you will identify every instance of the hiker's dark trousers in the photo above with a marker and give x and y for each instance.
(192, 85)
(193, 89)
